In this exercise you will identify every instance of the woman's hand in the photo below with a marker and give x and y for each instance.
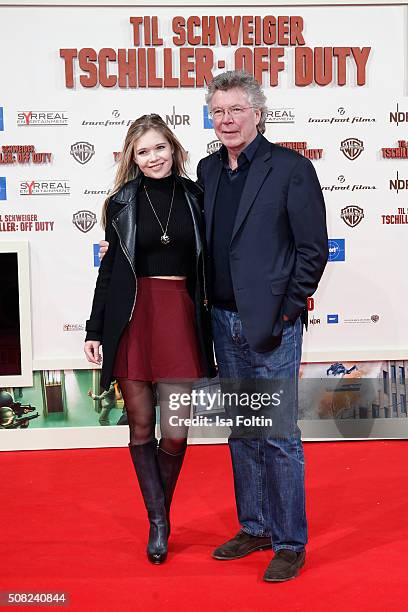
(92, 351)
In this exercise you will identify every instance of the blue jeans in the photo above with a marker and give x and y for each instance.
(268, 469)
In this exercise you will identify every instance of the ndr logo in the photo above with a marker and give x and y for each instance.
(1, 119)
(174, 119)
(337, 249)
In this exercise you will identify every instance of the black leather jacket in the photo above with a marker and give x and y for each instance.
(116, 285)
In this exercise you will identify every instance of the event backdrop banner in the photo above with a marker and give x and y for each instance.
(75, 78)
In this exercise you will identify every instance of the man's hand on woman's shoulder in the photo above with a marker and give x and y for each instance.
(103, 247)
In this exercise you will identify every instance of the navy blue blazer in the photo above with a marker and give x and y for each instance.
(279, 245)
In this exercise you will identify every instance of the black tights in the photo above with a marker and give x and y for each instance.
(140, 407)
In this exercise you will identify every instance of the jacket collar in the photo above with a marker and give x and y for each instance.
(259, 169)
(128, 191)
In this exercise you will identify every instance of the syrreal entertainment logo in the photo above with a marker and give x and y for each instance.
(342, 117)
(337, 249)
(3, 188)
(84, 220)
(280, 115)
(1, 119)
(82, 152)
(352, 215)
(44, 187)
(32, 118)
(342, 185)
(73, 327)
(398, 116)
(213, 146)
(352, 148)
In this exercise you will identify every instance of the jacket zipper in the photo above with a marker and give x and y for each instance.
(130, 263)
(197, 233)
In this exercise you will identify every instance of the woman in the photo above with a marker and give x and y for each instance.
(151, 330)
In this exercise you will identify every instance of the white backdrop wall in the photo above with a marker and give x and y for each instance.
(359, 309)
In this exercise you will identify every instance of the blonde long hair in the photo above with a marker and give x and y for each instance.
(128, 168)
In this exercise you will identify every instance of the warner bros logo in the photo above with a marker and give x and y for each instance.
(352, 215)
(84, 220)
(352, 148)
(82, 152)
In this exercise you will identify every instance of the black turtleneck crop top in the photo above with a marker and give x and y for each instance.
(152, 257)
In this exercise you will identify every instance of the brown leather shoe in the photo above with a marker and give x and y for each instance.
(241, 545)
(285, 565)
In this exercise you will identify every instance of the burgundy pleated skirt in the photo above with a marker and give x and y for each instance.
(160, 341)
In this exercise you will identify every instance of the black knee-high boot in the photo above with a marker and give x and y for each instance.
(144, 457)
(169, 466)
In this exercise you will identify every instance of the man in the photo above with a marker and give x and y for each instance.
(267, 239)
(267, 243)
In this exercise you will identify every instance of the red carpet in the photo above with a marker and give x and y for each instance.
(73, 521)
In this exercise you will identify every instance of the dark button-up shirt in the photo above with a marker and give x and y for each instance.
(230, 188)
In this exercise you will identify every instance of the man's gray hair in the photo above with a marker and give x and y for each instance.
(243, 80)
